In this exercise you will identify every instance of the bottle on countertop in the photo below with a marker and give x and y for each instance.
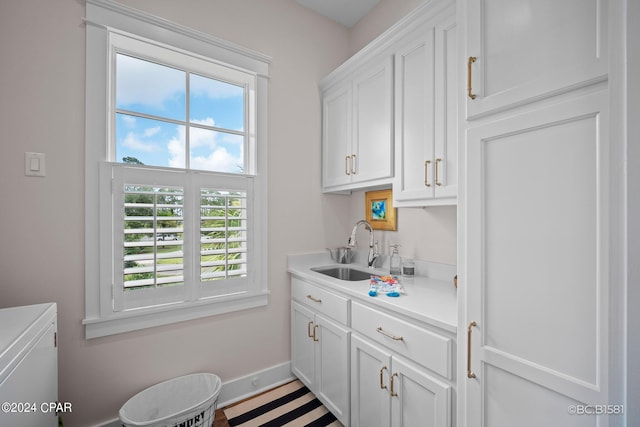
(395, 261)
(408, 268)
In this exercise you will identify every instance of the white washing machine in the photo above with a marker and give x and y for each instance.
(28, 366)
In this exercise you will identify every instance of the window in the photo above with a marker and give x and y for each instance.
(178, 110)
(176, 184)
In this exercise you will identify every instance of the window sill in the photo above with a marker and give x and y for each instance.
(147, 318)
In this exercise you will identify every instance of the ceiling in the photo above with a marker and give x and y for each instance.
(345, 12)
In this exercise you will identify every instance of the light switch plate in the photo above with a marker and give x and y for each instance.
(35, 164)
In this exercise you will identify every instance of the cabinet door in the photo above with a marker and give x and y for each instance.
(337, 160)
(302, 344)
(370, 373)
(446, 112)
(526, 50)
(418, 399)
(332, 374)
(373, 140)
(537, 266)
(426, 118)
(414, 120)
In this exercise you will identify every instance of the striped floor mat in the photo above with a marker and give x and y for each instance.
(290, 405)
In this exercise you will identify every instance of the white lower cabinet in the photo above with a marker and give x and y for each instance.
(420, 399)
(368, 367)
(387, 390)
(370, 395)
(320, 348)
(331, 362)
(388, 386)
(302, 344)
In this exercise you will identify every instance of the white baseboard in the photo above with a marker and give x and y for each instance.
(255, 383)
(241, 388)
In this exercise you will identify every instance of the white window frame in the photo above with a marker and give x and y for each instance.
(103, 19)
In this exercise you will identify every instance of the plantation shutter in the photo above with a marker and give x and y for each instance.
(226, 234)
(152, 233)
(179, 236)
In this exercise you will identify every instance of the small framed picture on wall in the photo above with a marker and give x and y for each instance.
(379, 210)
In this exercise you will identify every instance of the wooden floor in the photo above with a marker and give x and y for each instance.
(220, 419)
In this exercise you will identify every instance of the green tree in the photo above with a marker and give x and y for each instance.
(131, 161)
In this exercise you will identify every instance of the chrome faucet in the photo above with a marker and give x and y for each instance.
(373, 251)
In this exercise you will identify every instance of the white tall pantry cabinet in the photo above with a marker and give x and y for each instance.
(536, 224)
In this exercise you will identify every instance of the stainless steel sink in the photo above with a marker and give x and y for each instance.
(344, 273)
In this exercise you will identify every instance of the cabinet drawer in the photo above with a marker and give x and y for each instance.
(420, 345)
(320, 300)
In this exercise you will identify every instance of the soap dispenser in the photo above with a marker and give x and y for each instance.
(394, 261)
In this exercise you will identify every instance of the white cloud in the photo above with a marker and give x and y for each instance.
(132, 142)
(146, 83)
(129, 121)
(203, 137)
(219, 160)
(176, 148)
(216, 151)
(149, 132)
(207, 122)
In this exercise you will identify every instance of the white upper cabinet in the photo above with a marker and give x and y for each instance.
(336, 137)
(359, 126)
(426, 134)
(520, 51)
(373, 139)
(357, 140)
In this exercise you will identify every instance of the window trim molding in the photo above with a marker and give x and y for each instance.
(110, 14)
(106, 15)
(151, 317)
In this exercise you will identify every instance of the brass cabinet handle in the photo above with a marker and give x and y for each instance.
(353, 164)
(309, 329)
(346, 165)
(438, 182)
(393, 392)
(469, 373)
(387, 334)
(471, 60)
(315, 329)
(314, 299)
(382, 386)
(426, 173)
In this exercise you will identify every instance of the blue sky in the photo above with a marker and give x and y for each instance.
(157, 90)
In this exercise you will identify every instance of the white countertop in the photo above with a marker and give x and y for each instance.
(430, 297)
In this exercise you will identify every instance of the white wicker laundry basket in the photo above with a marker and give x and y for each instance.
(187, 401)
